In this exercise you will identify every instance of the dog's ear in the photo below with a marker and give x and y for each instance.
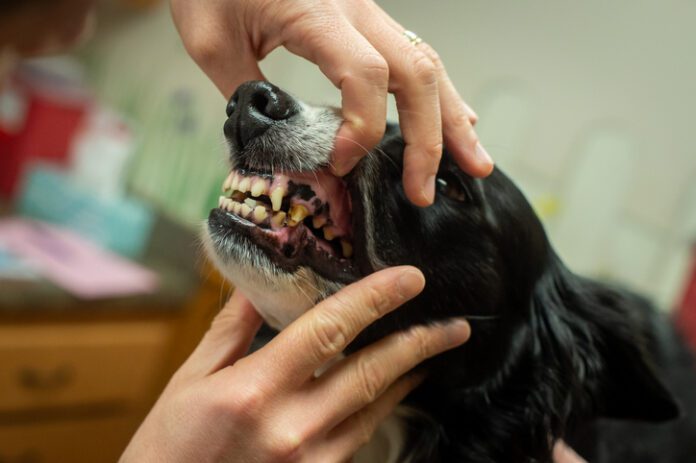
(601, 337)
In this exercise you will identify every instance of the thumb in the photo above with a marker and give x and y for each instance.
(227, 339)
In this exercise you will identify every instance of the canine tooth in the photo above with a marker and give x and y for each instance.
(329, 233)
(244, 184)
(277, 197)
(260, 213)
(245, 210)
(298, 212)
(278, 219)
(228, 183)
(258, 187)
(234, 181)
(221, 201)
(347, 248)
(250, 202)
(318, 221)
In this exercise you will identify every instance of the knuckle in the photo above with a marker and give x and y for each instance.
(287, 448)
(247, 401)
(460, 119)
(432, 55)
(375, 68)
(330, 337)
(203, 49)
(424, 70)
(375, 301)
(433, 152)
(420, 340)
(370, 377)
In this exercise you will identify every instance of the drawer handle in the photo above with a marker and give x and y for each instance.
(37, 380)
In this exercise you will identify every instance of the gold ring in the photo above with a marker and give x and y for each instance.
(413, 37)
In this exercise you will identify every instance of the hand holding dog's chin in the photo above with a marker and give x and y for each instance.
(365, 53)
(269, 406)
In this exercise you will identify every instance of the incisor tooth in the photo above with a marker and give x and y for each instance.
(244, 184)
(298, 212)
(236, 207)
(221, 201)
(250, 202)
(278, 219)
(234, 182)
(258, 187)
(318, 221)
(228, 183)
(277, 198)
(260, 213)
(329, 233)
(228, 204)
(245, 210)
(347, 248)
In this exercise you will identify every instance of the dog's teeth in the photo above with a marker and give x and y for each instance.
(258, 187)
(245, 210)
(318, 221)
(244, 184)
(227, 184)
(260, 214)
(221, 201)
(228, 204)
(236, 207)
(277, 197)
(329, 233)
(234, 181)
(298, 212)
(347, 248)
(250, 202)
(278, 219)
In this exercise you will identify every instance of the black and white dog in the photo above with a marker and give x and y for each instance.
(552, 355)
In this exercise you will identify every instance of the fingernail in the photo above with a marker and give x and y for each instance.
(458, 331)
(410, 283)
(483, 155)
(428, 191)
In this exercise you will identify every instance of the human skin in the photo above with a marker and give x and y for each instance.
(364, 53)
(268, 406)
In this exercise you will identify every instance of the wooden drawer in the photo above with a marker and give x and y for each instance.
(53, 366)
(80, 441)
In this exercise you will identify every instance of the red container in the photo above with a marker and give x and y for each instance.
(42, 115)
(686, 314)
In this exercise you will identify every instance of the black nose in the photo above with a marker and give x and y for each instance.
(254, 107)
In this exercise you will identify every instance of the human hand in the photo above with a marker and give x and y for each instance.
(564, 454)
(365, 53)
(268, 406)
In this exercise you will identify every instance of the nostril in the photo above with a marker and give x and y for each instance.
(232, 104)
(273, 103)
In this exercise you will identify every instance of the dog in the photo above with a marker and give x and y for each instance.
(552, 355)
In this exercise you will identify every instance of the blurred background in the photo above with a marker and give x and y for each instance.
(112, 156)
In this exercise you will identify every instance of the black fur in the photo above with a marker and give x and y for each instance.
(550, 352)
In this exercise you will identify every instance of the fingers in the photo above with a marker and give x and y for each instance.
(220, 49)
(325, 331)
(348, 437)
(364, 376)
(228, 338)
(564, 454)
(353, 65)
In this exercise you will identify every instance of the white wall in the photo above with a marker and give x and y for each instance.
(588, 105)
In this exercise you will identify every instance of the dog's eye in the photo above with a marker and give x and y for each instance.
(451, 188)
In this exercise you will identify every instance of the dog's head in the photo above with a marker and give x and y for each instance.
(288, 233)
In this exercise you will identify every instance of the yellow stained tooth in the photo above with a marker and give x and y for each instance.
(221, 201)
(250, 202)
(228, 183)
(236, 207)
(260, 213)
(234, 182)
(277, 198)
(278, 219)
(329, 233)
(245, 210)
(244, 184)
(258, 188)
(228, 204)
(318, 221)
(298, 212)
(347, 248)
